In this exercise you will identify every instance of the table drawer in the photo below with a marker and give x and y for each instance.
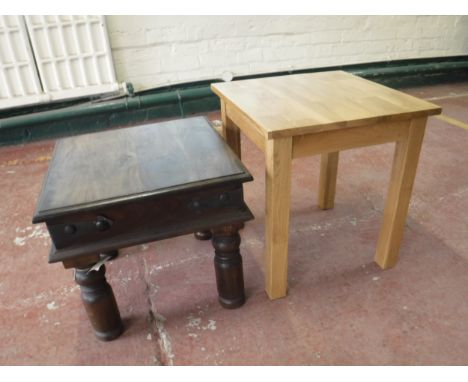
(174, 214)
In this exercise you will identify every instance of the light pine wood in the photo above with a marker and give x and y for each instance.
(230, 131)
(349, 138)
(307, 103)
(327, 183)
(278, 194)
(301, 115)
(405, 162)
(249, 128)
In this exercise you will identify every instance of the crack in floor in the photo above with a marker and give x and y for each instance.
(156, 321)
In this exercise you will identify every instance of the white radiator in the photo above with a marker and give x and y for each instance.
(19, 80)
(71, 53)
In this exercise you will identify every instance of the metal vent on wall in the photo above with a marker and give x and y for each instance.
(65, 56)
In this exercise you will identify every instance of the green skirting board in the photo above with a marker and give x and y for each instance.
(84, 115)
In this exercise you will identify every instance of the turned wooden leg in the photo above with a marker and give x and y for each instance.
(327, 183)
(203, 235)
(99, 302)
(228, 266)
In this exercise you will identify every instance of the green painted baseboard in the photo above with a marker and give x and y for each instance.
(82, 116)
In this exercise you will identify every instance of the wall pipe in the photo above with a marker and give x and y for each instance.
(178, 96)
(126, 103)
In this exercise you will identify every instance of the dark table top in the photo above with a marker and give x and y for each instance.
(114, 166)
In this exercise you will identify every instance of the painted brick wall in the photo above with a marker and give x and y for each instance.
(154, 51)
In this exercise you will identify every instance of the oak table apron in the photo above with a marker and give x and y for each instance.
(295, 116)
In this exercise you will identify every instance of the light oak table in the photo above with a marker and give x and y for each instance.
(299, 115)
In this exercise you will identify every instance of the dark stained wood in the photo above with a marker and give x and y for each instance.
(228, 266)
(152, 182)
(203, 235)
(82, 262)
(136, 162)
(99, 302)
(142, 221)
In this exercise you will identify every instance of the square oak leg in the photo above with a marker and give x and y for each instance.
(230, 131)
(231, 134)
(405, 162)
(327, 183)
(278, 157)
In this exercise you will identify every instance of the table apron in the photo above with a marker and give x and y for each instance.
(142, 221)
(349, 138)
(246, 125)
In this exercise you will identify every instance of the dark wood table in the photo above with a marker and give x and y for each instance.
(114, 189)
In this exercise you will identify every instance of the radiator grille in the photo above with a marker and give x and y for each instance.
(19, 81)
(72, 54)
(47, 58)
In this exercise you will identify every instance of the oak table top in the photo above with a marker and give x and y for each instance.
(314, 102)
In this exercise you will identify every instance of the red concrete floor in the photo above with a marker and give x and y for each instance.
(341, 308)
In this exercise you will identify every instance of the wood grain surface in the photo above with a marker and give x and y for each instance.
(306, 103)
(136, 162)
(405, 163)
(278, 160)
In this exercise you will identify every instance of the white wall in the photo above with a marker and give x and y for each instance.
(153, 51)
